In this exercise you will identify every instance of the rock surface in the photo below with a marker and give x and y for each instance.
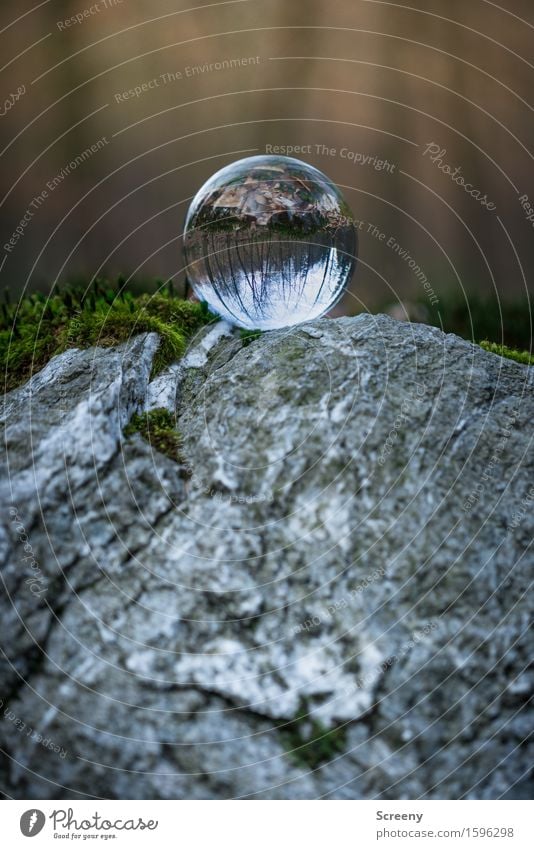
(326, 596)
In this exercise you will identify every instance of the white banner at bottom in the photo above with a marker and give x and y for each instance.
(269, 824)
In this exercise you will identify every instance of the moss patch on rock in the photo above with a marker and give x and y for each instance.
(308, 742)
(157, 427)
(38, 327)
(248, 336)
(524, 357)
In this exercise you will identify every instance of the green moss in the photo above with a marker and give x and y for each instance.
(510, 353)
(308, 742)
(158, 428)
(248, 336)
(37, 328)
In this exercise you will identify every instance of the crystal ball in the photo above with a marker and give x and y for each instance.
(269, 242)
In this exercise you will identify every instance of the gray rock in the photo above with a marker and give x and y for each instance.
(328, 598)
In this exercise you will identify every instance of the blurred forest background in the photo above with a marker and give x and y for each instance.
(357, 82)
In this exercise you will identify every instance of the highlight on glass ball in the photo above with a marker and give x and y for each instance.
(269, 242)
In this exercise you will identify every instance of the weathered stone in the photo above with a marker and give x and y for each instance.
(346, 556)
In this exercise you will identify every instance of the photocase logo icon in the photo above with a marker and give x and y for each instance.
(32, 822)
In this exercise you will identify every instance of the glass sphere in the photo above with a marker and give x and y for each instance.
(269, 242)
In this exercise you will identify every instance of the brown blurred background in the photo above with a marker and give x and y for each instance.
(373, 80)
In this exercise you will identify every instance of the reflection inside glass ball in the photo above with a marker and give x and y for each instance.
(269, 242)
